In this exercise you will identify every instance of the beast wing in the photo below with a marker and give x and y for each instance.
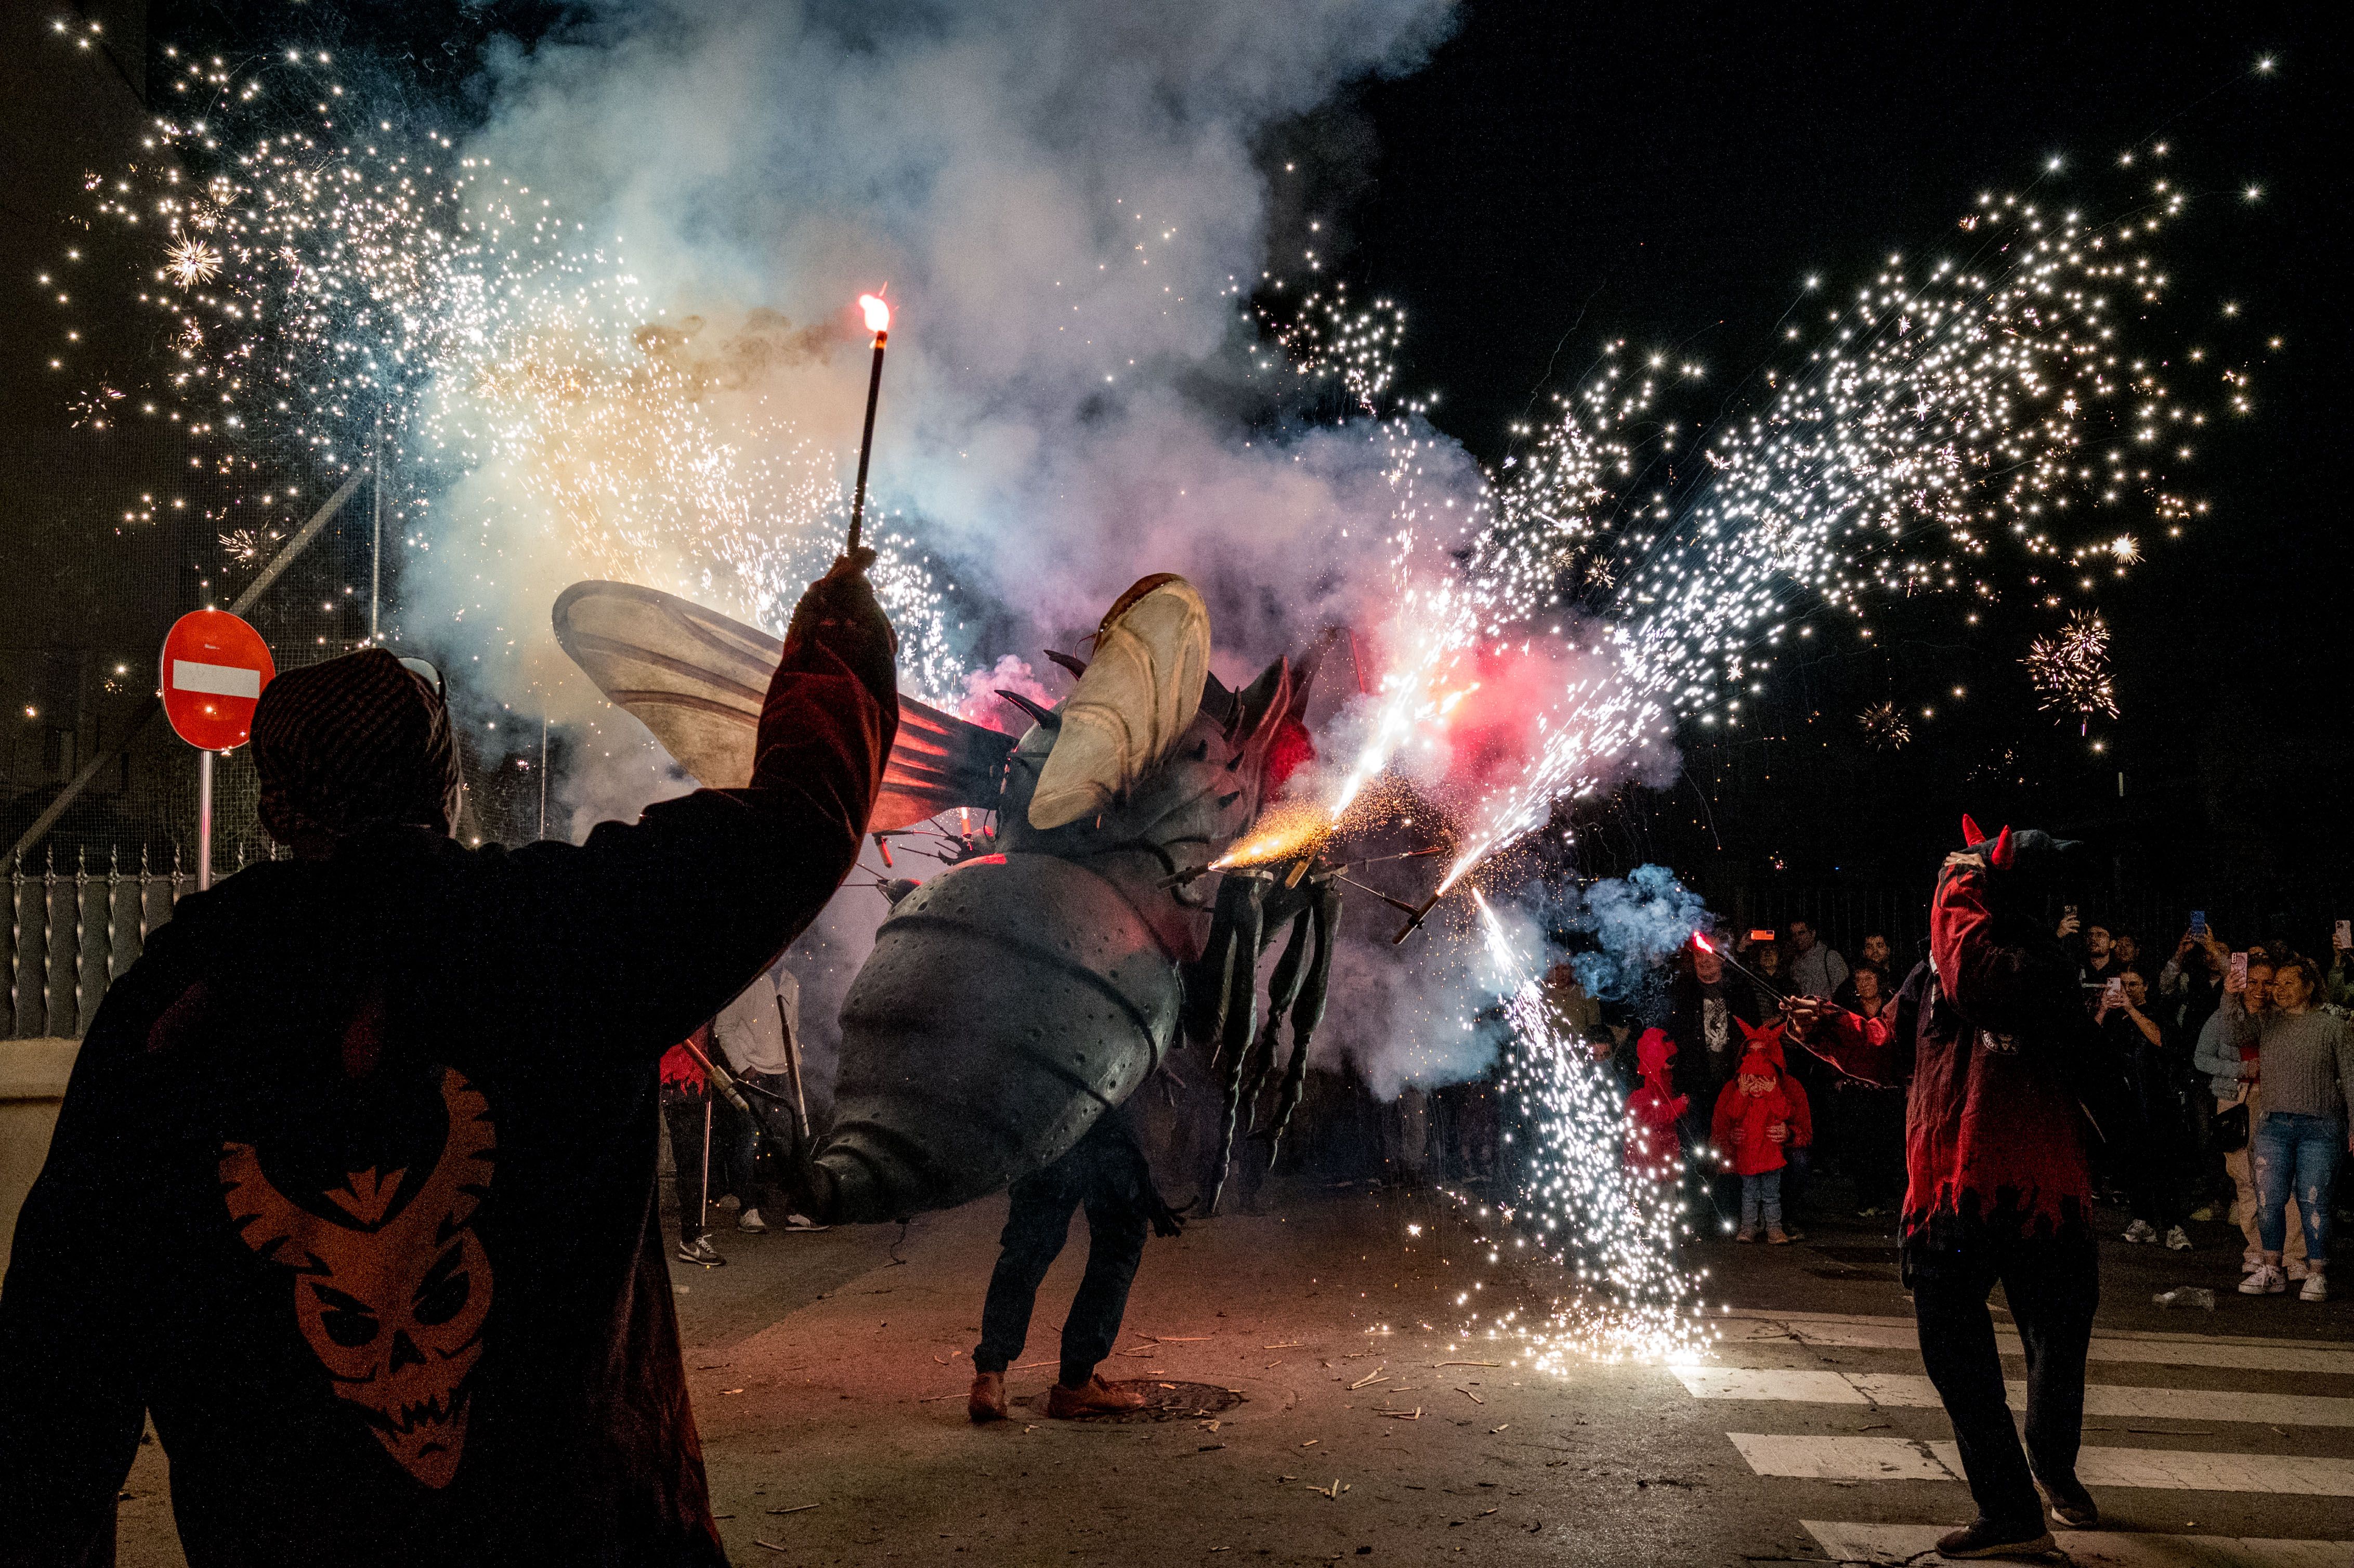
(697, 679)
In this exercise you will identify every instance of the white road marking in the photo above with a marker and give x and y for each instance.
(1912, 1390)
(1899, 1334)
(2091, 1549)
(1900, 1459)
(1841, 1458)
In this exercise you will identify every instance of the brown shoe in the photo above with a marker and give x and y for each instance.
(1094, 1397)
(987, 1401)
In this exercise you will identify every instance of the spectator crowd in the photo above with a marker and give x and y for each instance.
(2233, 1070)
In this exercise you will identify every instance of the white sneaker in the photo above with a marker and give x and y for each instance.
(2251, 1263)
(2317, 1286)
(2177, 1239)
(2140, 1231)
(2294, 1269)
(2267, 1280)
(750, 1220)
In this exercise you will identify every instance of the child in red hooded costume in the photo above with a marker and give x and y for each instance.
(1760, 1114)
(1652, 1146)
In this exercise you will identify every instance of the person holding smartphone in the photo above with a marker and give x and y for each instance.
(2233, 1077)
(2305, 1063)
(2341, 965)
(2157, 1183)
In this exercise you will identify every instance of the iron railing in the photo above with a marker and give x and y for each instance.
(70, 933)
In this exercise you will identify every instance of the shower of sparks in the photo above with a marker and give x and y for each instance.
(340, 282)
(1884, 728)
(1962, 426)
(1612, 1229)
(2071, 669)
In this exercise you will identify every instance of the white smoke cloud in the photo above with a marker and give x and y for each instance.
(1062, 201)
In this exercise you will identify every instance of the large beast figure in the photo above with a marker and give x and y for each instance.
(1018, 995)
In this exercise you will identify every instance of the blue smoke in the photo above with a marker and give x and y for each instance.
(1637, 923)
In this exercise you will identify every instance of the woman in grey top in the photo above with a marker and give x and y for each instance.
(2305, 1061)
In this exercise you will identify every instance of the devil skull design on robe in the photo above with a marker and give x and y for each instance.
(389, 1293)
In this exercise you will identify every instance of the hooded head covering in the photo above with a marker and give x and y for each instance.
(1764, 1058)
(2024, 868)
(352, 743)
(1653, 1052)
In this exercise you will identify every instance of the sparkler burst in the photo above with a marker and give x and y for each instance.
(1612, 1228)
(1966, 426)
(345, 285)
(2071, 669)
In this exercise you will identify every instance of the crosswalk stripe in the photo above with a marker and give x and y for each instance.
(1912, 1390)
(1903, 1459)
(1898, 1334)
(2092, 1549)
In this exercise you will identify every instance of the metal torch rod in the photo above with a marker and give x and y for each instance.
(719, 1078)
(866, 440)
(1753, 976)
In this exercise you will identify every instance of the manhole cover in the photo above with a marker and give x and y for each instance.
(1162, 1402)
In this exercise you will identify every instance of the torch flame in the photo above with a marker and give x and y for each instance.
(1701, 941)
(878, 313)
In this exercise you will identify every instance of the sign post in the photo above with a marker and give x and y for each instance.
(214, 667)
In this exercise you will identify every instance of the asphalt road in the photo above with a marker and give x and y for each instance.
(1317, 1401)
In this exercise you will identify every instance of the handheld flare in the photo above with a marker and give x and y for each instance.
(879, 322)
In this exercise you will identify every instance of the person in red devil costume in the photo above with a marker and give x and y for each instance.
(1760, 1115)
(1653, 1110)
(353, 1189)
(2002, 1060)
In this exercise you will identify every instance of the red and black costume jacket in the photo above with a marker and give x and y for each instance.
(1988, 1035)
(354, 1186)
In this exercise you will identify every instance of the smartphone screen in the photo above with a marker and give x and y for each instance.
(2198, 924)
(2240, 969)
(2114, 991)
(2346, 933)
(1766, 935)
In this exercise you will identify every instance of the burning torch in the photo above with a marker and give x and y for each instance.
(1701, 941)
(879, 322)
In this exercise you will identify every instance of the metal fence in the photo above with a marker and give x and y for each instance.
(71, 931)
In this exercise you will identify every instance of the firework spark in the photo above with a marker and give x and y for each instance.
(189, 261)
(1884, 728)
(2071, 669)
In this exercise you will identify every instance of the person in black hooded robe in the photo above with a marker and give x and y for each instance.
(353, 1189)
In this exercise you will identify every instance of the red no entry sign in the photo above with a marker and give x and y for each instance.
(215, 666)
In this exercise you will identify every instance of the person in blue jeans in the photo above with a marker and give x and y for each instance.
(2305, 1063)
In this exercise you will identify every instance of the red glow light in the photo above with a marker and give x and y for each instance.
(878, 313)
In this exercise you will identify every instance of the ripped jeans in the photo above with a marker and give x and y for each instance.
(2304, 1149)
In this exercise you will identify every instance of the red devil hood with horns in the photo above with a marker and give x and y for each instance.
(1652, 1110)
(1994, 1043)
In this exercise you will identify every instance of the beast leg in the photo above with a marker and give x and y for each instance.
(1282, 996)
(1241, 1009)
(1306, 1012)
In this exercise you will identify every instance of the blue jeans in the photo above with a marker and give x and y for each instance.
(1761, 1195)
(2288, 1148)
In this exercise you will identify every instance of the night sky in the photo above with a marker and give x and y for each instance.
(1562, 174)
